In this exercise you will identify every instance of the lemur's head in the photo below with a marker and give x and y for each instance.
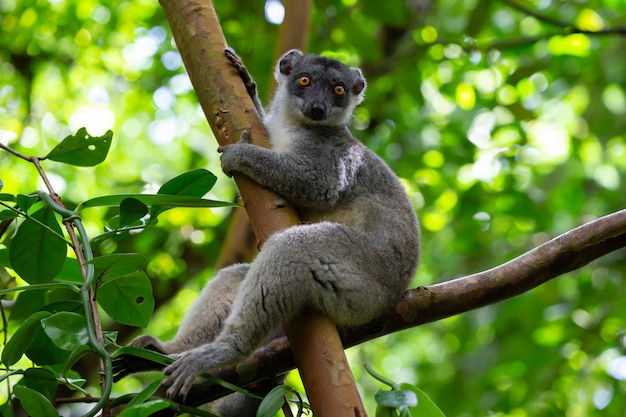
(317, 90)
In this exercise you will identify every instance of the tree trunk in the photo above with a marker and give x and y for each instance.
(315, 342)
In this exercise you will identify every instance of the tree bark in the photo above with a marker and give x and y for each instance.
(325, 371)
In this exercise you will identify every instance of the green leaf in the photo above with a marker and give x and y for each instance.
(82, 149)
(7, 197)
(26, 201)
(131, 211)
(194, 183)
(76, 354)
(145, 409)
(128, 300)
(22, 338)
(273, 401)
(109, 267)
(66, 330)
(145, 394)
(149, 355)
(153, 200)
(74, 384)
(35, 404)
(226, 384)
(44, 352)
(396, 398)
(41, 380)
(27, 303)
(426, 407)
(7, 214)
(37, 254)
(70, 273)
(62, 295)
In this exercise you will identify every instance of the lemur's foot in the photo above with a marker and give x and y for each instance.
(242, 70)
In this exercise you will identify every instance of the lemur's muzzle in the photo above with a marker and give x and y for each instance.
(315, 111)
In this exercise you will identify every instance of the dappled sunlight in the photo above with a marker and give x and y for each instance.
(274, 11)
(505, 125)
(547, 143)
(96, 119)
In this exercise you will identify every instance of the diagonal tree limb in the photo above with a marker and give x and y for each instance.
(565, 253)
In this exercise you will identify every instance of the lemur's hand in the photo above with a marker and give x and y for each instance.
(229, 162)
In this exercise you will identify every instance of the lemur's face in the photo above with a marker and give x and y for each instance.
(321, 90)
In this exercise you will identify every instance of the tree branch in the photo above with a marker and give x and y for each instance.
(568, 28)
(533, 13)
(421, 305)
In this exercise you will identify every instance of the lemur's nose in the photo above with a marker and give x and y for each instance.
(317, 111)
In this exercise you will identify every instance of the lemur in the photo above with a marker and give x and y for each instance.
(351, 258)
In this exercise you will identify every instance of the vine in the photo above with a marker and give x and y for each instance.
(62, 331)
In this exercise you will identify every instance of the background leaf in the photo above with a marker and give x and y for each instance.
(66, 330)
(42, 351)
(425, 406)
(41, 380)
(23, 337)
(82, 149)
(25, 202)
(116, 265)
(7, 214)
(35, 404)
(131, 211)
(37, 254)
(27, 303)
(480, 203)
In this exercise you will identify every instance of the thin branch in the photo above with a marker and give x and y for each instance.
(19, 212)
(524, 41)
(539, 16)
(568, 29)
(14, 152)
(94, 327)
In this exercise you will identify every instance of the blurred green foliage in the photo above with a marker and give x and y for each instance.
(505, 121)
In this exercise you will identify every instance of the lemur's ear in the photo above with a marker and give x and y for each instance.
(358, 88)
(287, 62)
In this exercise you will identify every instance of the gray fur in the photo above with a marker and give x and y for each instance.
(352, 257)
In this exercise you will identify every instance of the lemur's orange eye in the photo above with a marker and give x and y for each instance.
(304, 80)
(339, 90)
